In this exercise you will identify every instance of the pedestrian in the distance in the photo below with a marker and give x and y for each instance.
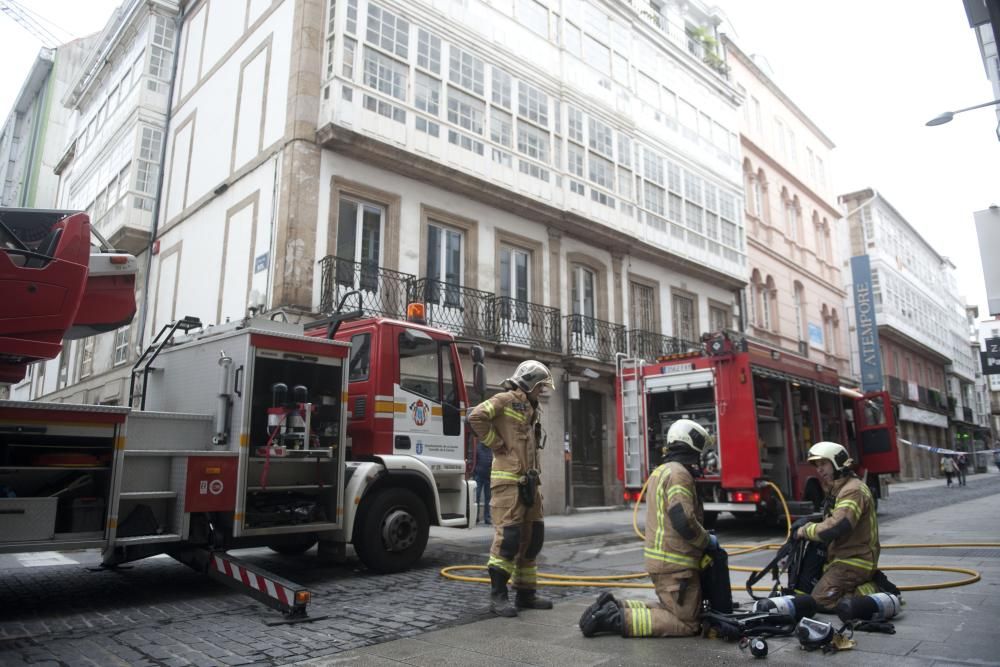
(948, 468)
(481, 473)
(996, 455)
(962, 463)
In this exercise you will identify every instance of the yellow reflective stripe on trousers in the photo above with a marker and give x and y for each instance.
(867, 589)
(502, 563)
(500, 474)
(851, 505)
(859, 563)
(525, 575)
(670, 557)
(641, 622)
(513, 414)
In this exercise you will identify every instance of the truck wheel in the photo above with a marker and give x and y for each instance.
(710, 519)
(390, 532)
(294, 548)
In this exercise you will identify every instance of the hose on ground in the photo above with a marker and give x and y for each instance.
(629, 580)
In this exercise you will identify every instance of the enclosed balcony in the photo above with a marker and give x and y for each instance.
(529, 324)
(594, 339)
(384, 292)
(650, 345)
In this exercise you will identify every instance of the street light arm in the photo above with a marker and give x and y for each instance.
(948, 115)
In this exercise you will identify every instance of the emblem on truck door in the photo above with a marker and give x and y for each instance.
(419, 410)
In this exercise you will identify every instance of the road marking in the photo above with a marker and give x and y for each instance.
(44, 558)
(615, 550)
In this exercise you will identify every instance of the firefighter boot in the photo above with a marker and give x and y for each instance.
(527, 598)
(605, 619)
(499, 602)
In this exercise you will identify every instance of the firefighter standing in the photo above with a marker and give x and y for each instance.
(849, 528)
(676, 542)
(508, 424)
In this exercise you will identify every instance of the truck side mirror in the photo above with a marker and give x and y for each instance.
(479, 379)
(478, 355)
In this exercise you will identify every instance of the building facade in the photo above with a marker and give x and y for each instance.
(922, 327)
(570, 212)
(795, 297)
(109, 165)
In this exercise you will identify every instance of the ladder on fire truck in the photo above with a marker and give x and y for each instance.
(632, 421)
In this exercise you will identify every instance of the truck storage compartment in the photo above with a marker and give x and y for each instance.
(28, 519)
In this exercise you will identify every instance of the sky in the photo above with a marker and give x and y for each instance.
(869, 73)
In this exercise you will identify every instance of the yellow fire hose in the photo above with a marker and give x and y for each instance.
(628, 580)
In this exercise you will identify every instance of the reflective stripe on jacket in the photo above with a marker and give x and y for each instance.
(850, 526)
(506, 424)
(675, 537)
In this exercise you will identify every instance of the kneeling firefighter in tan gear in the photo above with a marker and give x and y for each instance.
(508, 424)
(849, 529)
(676, 542)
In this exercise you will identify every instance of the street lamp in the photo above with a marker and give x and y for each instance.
(948, 115)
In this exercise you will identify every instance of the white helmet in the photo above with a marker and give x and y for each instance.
(529, 374)
(690, 433)
(832, 452)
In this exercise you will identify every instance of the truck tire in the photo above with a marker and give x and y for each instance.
(295, 547)
(391, 529)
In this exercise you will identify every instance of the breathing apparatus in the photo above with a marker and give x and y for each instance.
(813, 634)
(796, 606)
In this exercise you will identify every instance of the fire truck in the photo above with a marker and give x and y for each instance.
(766, 407)
(255, 433)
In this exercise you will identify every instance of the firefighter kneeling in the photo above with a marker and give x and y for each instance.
(849, 529)
(508, 424)
(676, 543)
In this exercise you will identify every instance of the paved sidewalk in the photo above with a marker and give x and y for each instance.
(941, 627)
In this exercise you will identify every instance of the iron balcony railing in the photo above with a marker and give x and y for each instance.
(597, 339)
(460, 310)
(650, 345)
(529, 324)
(384, 292)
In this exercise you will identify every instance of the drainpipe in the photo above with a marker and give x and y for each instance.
(154, 225)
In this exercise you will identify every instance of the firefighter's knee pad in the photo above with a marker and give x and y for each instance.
(537, 539)
(510, 542)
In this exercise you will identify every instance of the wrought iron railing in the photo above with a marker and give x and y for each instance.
(460, 310)
(383, 291)
(649, 345)
(529, 324)
(589, 337)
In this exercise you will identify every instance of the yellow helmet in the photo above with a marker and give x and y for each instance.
(529, 374)
(832, 452)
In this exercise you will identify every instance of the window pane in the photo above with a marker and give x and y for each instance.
(385, 74)
(465, 110)
(360, 358)
(418, 366)
(466, 70)
(521, 273)
(505, 272)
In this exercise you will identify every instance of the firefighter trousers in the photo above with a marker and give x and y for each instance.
(518, 535)
(675, 615)
(838, 581)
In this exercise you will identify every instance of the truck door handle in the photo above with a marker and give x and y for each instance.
(402, 442)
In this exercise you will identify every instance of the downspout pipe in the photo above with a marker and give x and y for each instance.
(154, 225)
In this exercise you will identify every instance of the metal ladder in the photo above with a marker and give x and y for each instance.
(634, 454)
(143, 365)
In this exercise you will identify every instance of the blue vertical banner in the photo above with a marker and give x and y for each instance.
(864, 321)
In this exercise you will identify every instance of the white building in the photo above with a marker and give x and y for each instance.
(109, 165)
(559, 179)
(922, 325)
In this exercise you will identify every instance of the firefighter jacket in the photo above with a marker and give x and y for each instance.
(675, 537)
(506, 424)
(850, 528)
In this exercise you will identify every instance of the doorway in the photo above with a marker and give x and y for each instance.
(588, 452)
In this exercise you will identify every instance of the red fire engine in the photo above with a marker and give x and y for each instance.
(766, 407)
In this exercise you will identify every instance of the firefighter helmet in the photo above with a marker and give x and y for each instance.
(690, 433)
(529, 374)
(832, 452)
